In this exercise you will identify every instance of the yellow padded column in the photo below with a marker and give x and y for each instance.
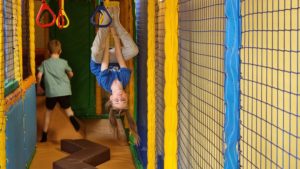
(32, 37)
(17, 7)
(151, 85)
(171, 84)
(20, 46)
(2, 116)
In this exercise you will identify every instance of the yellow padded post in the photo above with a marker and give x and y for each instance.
(151, 85)
(2, 116)
(32, 37)
(171, 84)
(20, 46)
(17, 7)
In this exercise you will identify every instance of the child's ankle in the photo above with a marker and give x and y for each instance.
(74, 123)
(44, 137)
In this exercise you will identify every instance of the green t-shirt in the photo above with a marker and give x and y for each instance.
(56, 80)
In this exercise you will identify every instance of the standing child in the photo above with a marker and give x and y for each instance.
(56, 74)
(114, 79)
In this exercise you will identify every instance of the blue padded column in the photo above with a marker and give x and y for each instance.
(232, 84)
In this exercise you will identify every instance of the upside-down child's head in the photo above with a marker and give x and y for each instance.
(54, 47)
(119, 100)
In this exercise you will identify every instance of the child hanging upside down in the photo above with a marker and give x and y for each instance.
(114, 79)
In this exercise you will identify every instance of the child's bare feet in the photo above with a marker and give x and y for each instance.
(136, 138)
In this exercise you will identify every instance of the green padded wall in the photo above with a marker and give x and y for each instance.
(76, 42)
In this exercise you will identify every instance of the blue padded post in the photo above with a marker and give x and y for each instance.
(232, 84)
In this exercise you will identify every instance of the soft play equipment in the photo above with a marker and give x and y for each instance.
(215, 85)
(222, 83)
(17, 92)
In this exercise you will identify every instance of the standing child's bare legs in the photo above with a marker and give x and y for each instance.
(46, 125)
(69, 113)
(73, 121)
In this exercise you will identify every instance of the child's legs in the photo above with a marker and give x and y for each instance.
(129, 48)
(47, 120)
(118, 49)
(65, 103)
(98, 46)
(69, 112)
(72, 119)
(50, 104)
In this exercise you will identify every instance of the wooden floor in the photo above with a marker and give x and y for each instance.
(93, 130)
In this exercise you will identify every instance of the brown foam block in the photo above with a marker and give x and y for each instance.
(72, 146)
(84, 154)
(71, 164)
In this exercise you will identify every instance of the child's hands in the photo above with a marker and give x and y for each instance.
(40, 90)
(70, 74)
(136, 138)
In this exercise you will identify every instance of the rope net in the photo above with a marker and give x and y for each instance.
(201, 83)
(270, 84)
(11, 47)
(25, 39)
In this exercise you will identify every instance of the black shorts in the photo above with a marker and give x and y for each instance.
(64, 102)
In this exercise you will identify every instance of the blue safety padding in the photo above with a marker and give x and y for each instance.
(160, 162)
(30, 135)
(21, 131)
(142, 148)
(15, 137)
(232, 84)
